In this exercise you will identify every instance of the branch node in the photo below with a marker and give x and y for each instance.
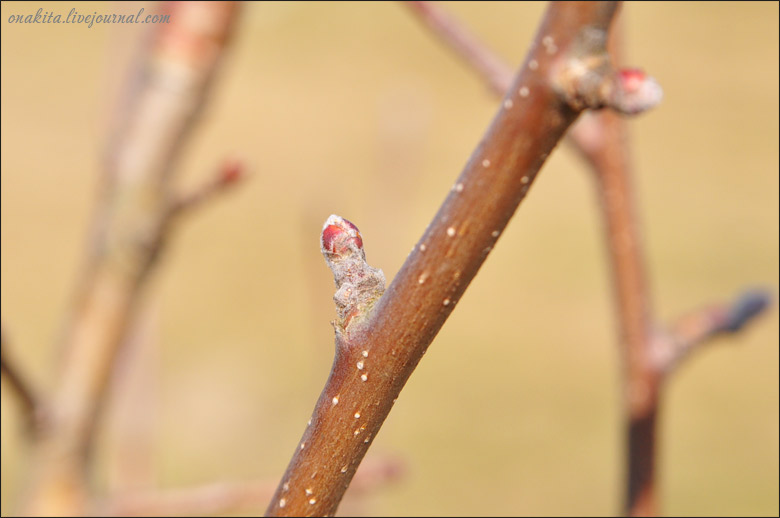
(589, 81)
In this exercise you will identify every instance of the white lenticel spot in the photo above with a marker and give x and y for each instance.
(303, 445)
(282, 502)
(364, 377)
(357, 415)
(335, 400)
(422, 277)
(344, 469)
(360, 365)
(508, 104)
(525, 179)
(365, 354)
(312, 501)
(486, 163)
(533, 64)
(547, 40)
(524, 91)
(495, 233)
(422, 248)
(451, 231)
(446, 302)
(459, 187)
(286, 487)
(309, 491)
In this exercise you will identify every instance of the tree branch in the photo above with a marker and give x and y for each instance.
(699, 327)
(229, 174)
(130, 230)
(381, 344)
(18, 383)
(235, 497)
(496, 74)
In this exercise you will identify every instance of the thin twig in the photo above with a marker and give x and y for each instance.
(701, 326)
(19, 383)
(378, 347)
(236, 497)
(230, 173)
(496, 73)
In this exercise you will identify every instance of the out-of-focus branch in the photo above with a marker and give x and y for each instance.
(236, 497)
(700, 326)
(230, 173)
(19, 383)
(496, 74)
(130, 230)
(132, 406)
(380, 342)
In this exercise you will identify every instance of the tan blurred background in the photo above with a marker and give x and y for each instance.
(352, 108)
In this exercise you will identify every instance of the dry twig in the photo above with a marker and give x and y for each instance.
(227, 497)
(20, 385)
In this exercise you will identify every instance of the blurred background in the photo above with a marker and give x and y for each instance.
(355, 109)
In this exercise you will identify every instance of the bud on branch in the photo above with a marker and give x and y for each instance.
(358, 285)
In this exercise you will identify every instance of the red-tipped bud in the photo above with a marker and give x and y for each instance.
(636, 92)
(337, 236)
(232, 171)
(631, 79)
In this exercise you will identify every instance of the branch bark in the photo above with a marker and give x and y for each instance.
(130, 229)
(566, 71)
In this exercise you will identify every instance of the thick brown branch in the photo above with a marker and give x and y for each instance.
(19, 383)
(230, 173)
(377, 353)
(130, 228)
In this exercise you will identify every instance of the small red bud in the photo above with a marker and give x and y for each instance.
(232, 171)
(636, 92)
(337, 235)
(631, 79)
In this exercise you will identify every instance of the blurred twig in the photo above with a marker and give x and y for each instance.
(235, 497)
(130, 229)
(671, 347)
(496, 74)
(132, 406)
(20, 385)
(228, 175)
